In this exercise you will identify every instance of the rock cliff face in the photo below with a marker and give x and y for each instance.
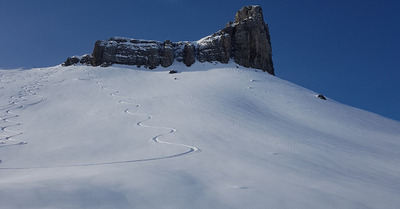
(246, 41)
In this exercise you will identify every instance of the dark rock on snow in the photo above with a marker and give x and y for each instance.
(321, 96)
(84, 60)
(246, 41)
(71, 61)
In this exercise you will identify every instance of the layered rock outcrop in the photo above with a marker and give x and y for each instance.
(246, 41)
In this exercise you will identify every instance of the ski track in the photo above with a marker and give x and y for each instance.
(25, 98)
(124, 100)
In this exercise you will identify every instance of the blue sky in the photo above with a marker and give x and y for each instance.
(348, 50)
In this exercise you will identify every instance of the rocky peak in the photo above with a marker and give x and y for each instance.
(246, 41)
(249, 12)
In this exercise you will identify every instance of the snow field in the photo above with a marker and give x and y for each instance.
(210, 136)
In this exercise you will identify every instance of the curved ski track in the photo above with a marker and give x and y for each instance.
(124, 100)
(26, 97)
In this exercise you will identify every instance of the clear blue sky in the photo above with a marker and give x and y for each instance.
(348, 50)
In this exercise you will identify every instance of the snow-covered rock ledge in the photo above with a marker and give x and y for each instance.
(246, 41)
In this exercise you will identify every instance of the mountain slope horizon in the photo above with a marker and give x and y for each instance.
(209, 136)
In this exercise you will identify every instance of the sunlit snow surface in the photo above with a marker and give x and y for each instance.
(210, 136)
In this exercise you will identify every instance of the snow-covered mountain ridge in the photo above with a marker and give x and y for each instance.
(210, 136)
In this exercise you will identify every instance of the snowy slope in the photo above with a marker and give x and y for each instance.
(211, 136)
